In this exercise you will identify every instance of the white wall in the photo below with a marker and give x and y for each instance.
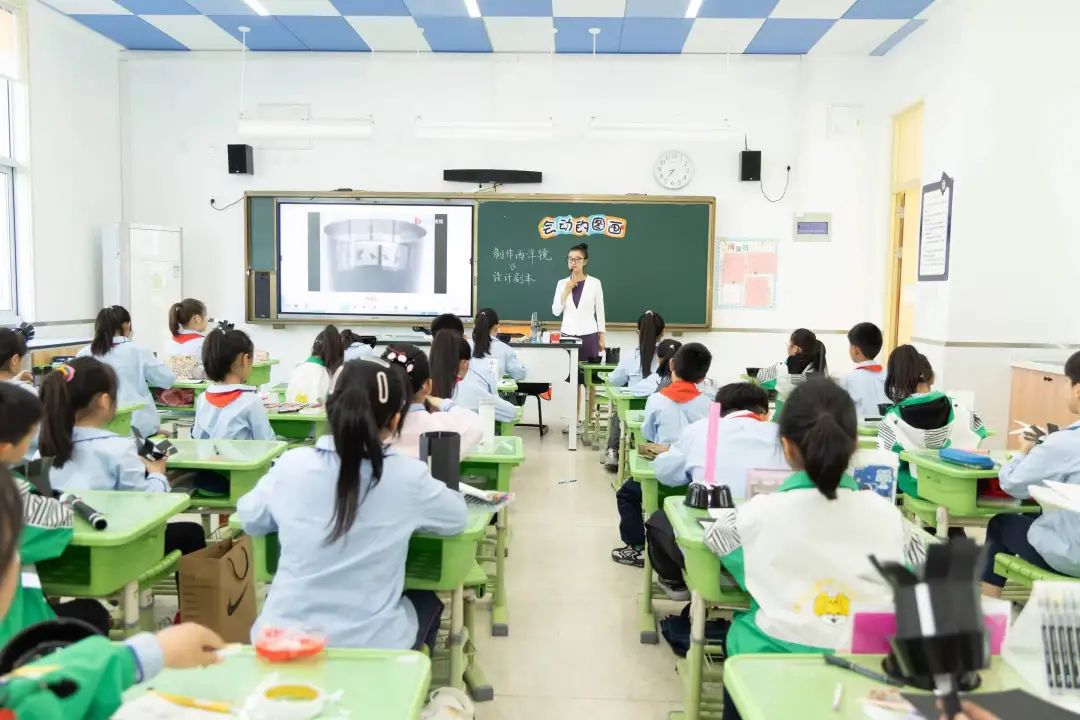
(181, 112)
(74, 163)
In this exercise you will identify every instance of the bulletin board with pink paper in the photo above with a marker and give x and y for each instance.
(746, 273)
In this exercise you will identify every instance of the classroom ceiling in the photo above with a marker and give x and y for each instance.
(768, 27)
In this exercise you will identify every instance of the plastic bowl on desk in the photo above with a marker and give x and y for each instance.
(282, 645)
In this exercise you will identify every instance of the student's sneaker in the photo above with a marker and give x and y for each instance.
(678, 593)
(628, 555)
(610, 458)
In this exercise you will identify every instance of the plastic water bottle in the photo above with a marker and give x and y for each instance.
(486, 411)
(534, 326)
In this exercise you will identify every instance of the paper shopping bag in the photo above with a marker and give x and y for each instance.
(217, 588)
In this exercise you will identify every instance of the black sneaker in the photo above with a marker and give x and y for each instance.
(628, 555)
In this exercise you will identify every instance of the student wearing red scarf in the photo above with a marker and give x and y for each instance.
(866, 383)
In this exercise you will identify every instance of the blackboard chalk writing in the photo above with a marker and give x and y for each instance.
(550, 227)
(533, 255)
(512, 278)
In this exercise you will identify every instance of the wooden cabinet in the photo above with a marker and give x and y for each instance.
(1037, 397)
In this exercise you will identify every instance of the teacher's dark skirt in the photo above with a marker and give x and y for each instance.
(590, 352)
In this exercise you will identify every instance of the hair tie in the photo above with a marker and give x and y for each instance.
(396, 356)
(67, 371)
(648, 312)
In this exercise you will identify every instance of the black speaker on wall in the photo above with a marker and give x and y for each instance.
(241, 161)
(492, 175)
(750, 165)
(261, 295)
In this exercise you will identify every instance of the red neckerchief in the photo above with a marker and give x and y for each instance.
(186, 338)
(681, 391)
(872, 368)
(221, 400)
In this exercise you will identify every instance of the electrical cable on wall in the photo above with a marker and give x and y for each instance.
(213, 204)
(787, 182)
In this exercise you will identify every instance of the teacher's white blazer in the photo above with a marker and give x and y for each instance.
(583, 319)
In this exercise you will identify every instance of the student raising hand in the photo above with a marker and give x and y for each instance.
(189, 645)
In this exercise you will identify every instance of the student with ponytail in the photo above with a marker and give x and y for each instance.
(187, 325)
(638, 370)
(921, 419)
(136, 368)
(427, 412)
(344, 511)
(310, 380)
(806, 355)
(455, 377)
(230, 409)
(803, 552)
(486, 344)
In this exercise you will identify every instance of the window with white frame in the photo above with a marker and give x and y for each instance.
(12, 154)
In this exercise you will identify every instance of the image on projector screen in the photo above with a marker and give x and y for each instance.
(366, 259)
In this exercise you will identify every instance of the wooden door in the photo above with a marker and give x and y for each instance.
(906, 189)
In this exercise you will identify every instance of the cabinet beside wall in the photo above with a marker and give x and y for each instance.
(1038, 396)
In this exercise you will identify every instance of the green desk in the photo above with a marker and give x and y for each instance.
(506, 427)
(590, 433)
(375, 684)
(434, 562)
(495, 462)
(243, 462)
(260, 372)
(299, 425)
(121, 422)
(704, 577)
(635, 421)
(868, 430)
(652, 492)
(764, 687)
(623, 401)
(98, 563)
(948, 494)
(506, 385)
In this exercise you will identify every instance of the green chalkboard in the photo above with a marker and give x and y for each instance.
(659, 259)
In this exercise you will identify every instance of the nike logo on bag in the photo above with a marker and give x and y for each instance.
(230, 608)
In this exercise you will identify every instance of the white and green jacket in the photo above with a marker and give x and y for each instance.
(928, 421)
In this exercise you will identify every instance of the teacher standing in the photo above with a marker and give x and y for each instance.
(579, 299)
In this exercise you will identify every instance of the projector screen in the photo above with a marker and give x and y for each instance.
(375, 259)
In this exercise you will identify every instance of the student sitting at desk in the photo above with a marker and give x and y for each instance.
(1051, 540)
(356, 347)
(427, 413)
(12, 352)
(447, 321)
(660, 379)
(344, 512)
(453, 376)
(485, 344)
(803, 552)
(745, 441)
(86, 679)
(866, 383)
(137, 370)
(310, 380)
(806, 355)
(667, 413)
(80, 400)
(632, 369)
(229, 409)
(187, 325)
(47, 525)
(922, 419)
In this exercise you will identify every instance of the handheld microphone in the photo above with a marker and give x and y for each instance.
(97, 520)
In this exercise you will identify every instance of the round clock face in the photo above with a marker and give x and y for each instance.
(673, 170)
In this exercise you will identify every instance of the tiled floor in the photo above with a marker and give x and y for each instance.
(573, 649)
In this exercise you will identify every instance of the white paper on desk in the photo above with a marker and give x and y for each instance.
(154, 707)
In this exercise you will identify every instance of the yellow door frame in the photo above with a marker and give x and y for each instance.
(905, 178)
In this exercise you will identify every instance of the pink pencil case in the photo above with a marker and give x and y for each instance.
(871, 629)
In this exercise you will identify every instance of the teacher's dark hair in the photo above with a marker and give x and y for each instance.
(819, 419)
(582, 248)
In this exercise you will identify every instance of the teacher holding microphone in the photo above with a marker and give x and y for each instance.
(579, 299)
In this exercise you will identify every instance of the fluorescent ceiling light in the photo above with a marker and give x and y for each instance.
(693, 8)
(510, 129)
(342, 129)
(473, 8)
(257, 7)
(666, 130)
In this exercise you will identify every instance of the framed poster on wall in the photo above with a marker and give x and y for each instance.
(935, 230)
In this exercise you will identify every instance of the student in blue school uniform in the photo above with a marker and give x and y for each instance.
(1051, 540)
(453, 376)
(80, 400)
(187, 325)
(230, 409)
(806, 355)
(866, 383)
(661, 378)
(86, 679)
(803, 552)
(667, 413)
(12, 352)
(47, 525)
(310, 380)
(356, 347)
(920, 418)
(486, 344)
(137, 369)
(632, 370)
(344, 512)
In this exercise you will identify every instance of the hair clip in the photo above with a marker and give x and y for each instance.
(648, 312)
(67, 371)
(400, 358)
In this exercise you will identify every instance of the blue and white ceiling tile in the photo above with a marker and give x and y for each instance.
(780, 27)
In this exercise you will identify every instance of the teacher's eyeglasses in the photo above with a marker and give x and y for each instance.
(573, 259)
